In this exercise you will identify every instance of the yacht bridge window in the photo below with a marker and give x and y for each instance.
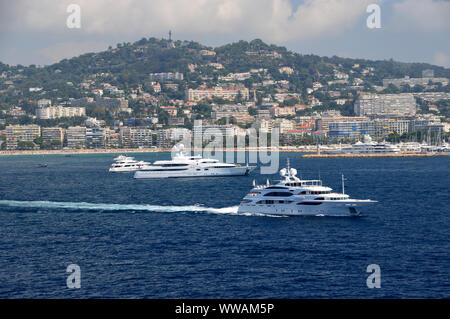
(314, 192)
(271, 202)
(279, 194)
(174, 165)
(276, 187)
(305, 183)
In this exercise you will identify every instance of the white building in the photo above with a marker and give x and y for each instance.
(286, 70)
(166, 76)
(263, 125)
(414, 81)
(44, 103)
(236, 77)
(228, 93)
(284, 125)
(385, 104)
(55, 112)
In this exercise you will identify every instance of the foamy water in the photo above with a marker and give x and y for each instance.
(117, 207)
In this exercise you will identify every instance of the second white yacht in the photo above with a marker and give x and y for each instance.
(184, 165)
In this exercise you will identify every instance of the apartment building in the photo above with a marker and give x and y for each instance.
(166, 76)
(136, 136)
(95, 137)
(21, 133)
(282, 111)
(237, 111)
(56, 112)
(376, 128)
(385, 104)
(424, 81)
(142, 136)
(76, 137)
(227, 93)
(50, 134)
(44, 103)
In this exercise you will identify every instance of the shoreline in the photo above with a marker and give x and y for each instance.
(310, 153)
(132, 150)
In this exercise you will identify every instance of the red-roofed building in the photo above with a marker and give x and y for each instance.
(172, 110)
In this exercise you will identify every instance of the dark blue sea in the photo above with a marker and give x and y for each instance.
(182, 238)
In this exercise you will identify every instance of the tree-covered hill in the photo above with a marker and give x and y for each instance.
(129, 64)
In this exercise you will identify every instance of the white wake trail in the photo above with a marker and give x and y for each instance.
(116, 207)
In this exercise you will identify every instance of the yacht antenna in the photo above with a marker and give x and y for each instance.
(343, 188)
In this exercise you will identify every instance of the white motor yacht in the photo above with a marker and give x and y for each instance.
(295, 197)
(184, 165)
(127, 164)
(366, 147)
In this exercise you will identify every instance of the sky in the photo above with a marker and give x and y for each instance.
(36, 32)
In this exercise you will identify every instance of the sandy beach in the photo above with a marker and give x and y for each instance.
(83, 151)
(133, 150)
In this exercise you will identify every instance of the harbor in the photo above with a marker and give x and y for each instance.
(319, 155)
(369, 148)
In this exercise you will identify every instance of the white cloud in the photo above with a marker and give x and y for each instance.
(424, 15)
(271, 20)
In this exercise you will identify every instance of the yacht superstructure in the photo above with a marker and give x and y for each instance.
(184, 165)
(295, 197)
(442, 148)
(127, 164)
(366, 147)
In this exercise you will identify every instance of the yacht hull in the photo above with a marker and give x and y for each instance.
(342, 208)
(193, 172)
(123, 170)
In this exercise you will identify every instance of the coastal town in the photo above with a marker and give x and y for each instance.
(340, 103)
(224, 158)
